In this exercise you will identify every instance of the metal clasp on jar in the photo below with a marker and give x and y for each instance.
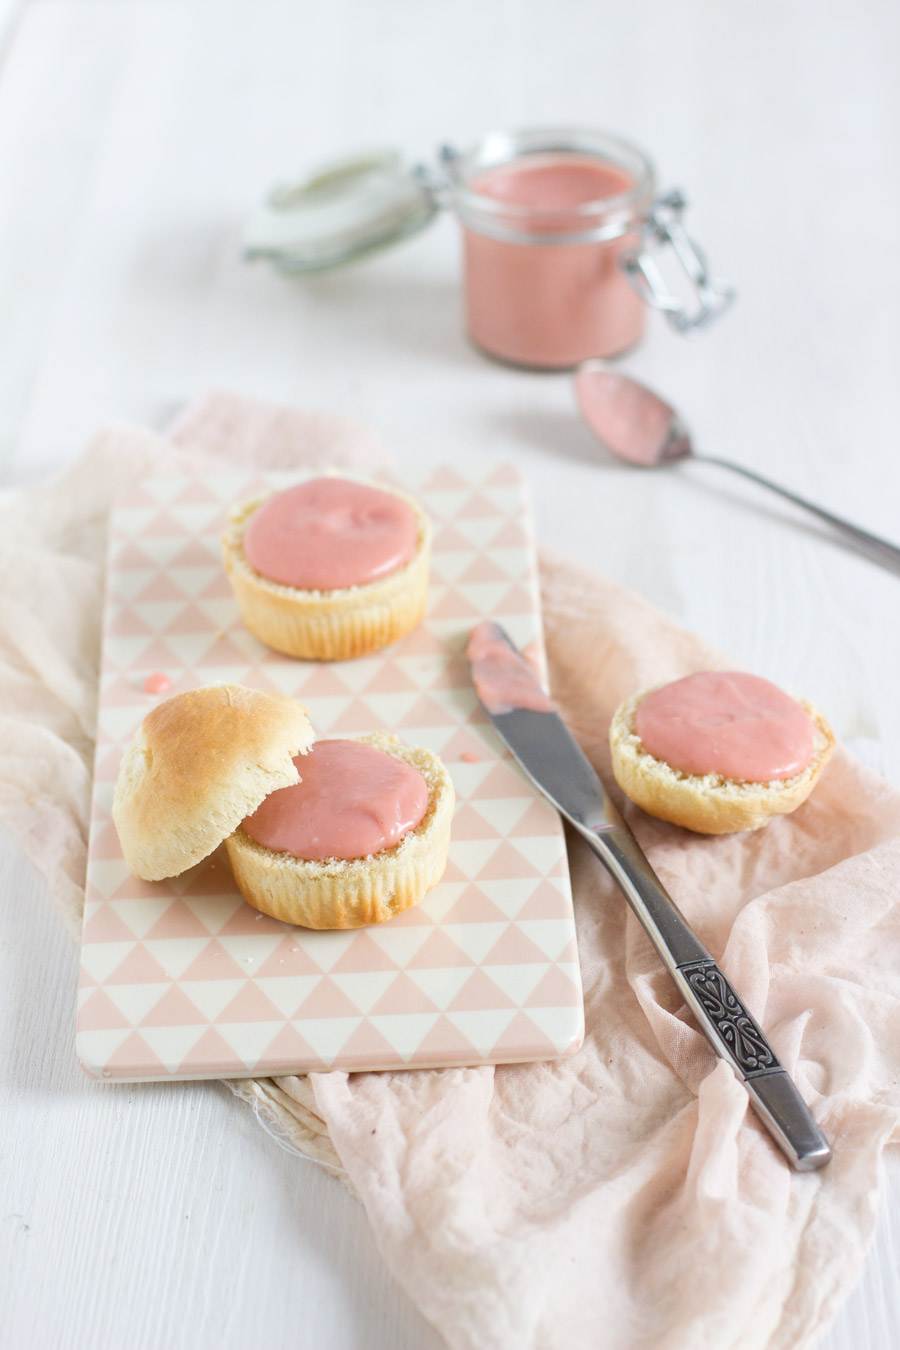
(661, 228)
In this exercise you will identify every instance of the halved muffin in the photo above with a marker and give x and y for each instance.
(689, 788)
(333, 892)
(203, 764)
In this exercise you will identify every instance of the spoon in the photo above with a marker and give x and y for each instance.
(637, 426)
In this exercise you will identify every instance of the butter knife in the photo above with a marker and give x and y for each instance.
(528, 723)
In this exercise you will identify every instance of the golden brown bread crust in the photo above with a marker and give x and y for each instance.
(328, 625)
(199, 764)
(338, 894)
(708, 803)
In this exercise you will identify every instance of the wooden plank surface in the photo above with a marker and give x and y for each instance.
(134, 140)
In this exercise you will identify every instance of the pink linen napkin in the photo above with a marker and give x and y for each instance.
(624, 1197)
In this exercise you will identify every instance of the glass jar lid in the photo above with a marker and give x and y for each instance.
(367, 201)
(342, 210)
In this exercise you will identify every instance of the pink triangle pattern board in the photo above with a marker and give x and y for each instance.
(181, 979)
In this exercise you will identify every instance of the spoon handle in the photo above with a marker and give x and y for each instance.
(879, 550)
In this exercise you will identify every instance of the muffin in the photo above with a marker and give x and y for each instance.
(718, 751)
(329, 569)
(348, 892)
(213, 765)
(199, 763)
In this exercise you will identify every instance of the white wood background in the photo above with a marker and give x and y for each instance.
(135, 137)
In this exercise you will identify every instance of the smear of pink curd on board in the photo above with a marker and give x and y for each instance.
(729, 723)
(353, 801)
(157, 683)
(503, 679)
(330, 533)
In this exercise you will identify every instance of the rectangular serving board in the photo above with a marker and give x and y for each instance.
(181, 979)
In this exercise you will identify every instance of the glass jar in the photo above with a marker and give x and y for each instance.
(547, 217)
(562, 232)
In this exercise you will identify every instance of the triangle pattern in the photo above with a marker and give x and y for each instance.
(366, 1048)
(99, 1013)
(139, 967)
(514, 949)
(214, 963)
(522, 1031)
(210, 1055)
(181, 978)
(507, 862)
(473, 906)
(444, 1043)
(546, 902)
(438, 950)
(177, 922)
(555, 990)
(326, 1000)
(289, 1052)
(250, 1004)
(480, 991)
(105, 925)
(134, 1053)
(403, 996)
(364, 954)
(289, 959)
(174, 1009)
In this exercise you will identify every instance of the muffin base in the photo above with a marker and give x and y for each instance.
(708, 803)
(352, 894)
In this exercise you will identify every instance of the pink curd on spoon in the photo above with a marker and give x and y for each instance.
(503, 679)
(353, 801)
(329, 533)
(631, 421)
(729, 723)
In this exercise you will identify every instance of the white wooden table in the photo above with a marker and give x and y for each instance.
(134, 139)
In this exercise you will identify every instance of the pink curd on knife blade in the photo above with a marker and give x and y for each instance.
(330, 533)
(729, 723)
(503, 679)
(353, 801)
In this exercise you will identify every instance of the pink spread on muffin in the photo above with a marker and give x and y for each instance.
(503, 679)
(725, 722)
(353, 801)
(329, 533)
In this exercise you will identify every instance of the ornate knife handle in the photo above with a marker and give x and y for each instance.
(737, 1036)
(727, 1023)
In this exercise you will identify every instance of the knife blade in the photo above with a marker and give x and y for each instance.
(528, 723)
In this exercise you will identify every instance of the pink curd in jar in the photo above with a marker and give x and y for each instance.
(725, 722)
(353, 801)
(329, 533)
(550, 304)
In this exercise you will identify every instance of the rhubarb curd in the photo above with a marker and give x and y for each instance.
(330, 533)
(503, 679)
(544, 286)
(353, 801)
(729, 723)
